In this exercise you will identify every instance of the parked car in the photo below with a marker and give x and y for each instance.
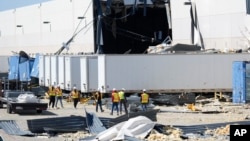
(38, 91)
(29, 102)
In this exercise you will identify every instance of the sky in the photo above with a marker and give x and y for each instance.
(12, 4)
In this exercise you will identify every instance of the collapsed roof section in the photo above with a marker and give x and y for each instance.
(130, 26)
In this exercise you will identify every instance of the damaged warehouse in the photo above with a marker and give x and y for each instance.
(190, 56)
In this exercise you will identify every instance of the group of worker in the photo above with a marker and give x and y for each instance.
(117, 98)
(55, 95)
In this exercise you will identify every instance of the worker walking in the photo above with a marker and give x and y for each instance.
(123, 101)
(59, 96)
(75, 96)
(98, 99)
(52, 96)
(144, 100)
(115, 101)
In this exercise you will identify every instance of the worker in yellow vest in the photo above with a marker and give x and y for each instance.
(52, 96)
(75, 95)
(144, 100)
(59, 96)
(115, 101)
(123, 101)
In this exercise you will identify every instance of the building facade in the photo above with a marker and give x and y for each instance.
(123, 26)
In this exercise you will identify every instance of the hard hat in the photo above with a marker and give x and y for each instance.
(74, 87)
(123, 89)
(144, 90)
(114, 89)
(58, 85)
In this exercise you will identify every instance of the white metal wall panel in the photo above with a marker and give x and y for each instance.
(89, 73)
(41, 70)
(4, 64)
(36, 37)
(76, 72)
(102, 73)
(220, 23)
(169, 72)
(72, 72)
(47, 72)
(68, 73)
(7, 26)
(93, 73)
(54, 70)
(61, 74)
(84, 74)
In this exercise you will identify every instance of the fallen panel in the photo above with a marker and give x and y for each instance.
(151, 114)
(94, 124)
(93, 138)
(10, 127)
(200, 129)
(138, 127)
(58, 124)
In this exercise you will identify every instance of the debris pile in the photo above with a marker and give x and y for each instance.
(219, 131)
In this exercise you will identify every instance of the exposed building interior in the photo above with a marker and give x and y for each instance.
(125, 28)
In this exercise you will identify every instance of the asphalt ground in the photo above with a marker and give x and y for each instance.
(168, 115)
(21, 119)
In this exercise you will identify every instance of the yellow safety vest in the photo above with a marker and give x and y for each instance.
(75, 94)
(121, 95)
(51, 93)
(58, 92)
(115, 97)
(144, 98)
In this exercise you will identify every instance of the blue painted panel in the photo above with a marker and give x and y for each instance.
(35, 68)
(13, 68)
(23, 59)
(31, 61)
(239, 79)
(24, 71)
(247, 82)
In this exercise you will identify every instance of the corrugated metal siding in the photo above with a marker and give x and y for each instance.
(4, 64)
(202, 128)
(239, 77)
(166, 73)
(35, 69)
(13, 67)
(71, 123)
(151, 114)
(11, 128)
(94, 124)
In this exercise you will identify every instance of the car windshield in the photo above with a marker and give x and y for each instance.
(16, 94)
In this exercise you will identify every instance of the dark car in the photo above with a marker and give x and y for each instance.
(38, 91)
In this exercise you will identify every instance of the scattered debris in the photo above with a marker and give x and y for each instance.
(10, 127)
(138, 127)
(192, 107)
(219, 131)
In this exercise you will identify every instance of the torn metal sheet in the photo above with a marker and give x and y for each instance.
(58, 124)
(10, 127)
(200, 129)
(53, 131)
(94, 124)
(138, 127)
(151, 114)
(93, 138)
